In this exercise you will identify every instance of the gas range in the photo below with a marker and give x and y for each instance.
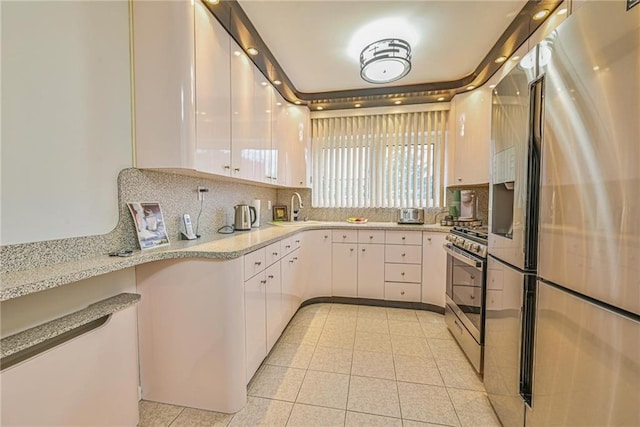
(471, 239)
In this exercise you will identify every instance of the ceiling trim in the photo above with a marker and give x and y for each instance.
(233, 18)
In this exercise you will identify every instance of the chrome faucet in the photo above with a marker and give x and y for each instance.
(300, 206)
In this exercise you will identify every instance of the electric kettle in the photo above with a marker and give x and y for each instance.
(245, 215)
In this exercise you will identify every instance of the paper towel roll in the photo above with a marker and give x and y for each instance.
(256, 204)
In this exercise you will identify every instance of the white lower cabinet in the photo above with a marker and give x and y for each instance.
(273, 298)
(291, 284)
(403, 266)
(371, 271)
(255, 322)
(434, 268)
(316, 256)
(344, 270)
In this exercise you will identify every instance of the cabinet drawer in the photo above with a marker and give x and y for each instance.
(403, 237)
(370, 236)
(403, 254)
(403, 273)
(273, 253)
(254, 262)
(396, 291)
(344, 236)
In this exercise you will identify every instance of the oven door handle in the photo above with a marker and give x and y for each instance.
(466, 259)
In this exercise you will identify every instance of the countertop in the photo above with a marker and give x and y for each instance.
(222, 246)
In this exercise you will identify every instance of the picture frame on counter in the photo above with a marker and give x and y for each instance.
(150, 225)
(280, 213)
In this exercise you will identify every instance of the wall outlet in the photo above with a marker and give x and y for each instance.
(201, 190)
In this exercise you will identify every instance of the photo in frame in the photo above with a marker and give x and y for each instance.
(280, 213)
(150, 225)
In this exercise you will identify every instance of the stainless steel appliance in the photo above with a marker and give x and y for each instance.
(563, 324)
(410, 216)
(466, 271)
(468, 205)
(245, 215)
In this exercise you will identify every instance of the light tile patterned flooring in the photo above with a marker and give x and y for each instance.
(350, 365)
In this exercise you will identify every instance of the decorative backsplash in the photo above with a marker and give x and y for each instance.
(482, 193)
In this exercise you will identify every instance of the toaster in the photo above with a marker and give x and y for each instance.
(410, 216)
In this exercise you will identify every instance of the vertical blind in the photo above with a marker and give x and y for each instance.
(386, 160)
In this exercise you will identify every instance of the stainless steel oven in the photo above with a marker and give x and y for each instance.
(466, 286)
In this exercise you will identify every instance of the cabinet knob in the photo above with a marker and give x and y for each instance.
(351, 249)
(270, 276)
(404, 238)
(364, 250)
(459, 179)
(428, 239)
(275, 254)
(344, 236)
(226, 167)
(402, 274)
(326, 237)
(263, 281)
(401, 292)
(287, 246)
(371, 237)
(300, 182)
(295, 258)
(403, 254)
(291, 261)
(472, 296)
(236, 169)
(297, 241)
(258, 262)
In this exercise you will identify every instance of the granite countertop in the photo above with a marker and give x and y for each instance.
(39, 334)
(24, 282)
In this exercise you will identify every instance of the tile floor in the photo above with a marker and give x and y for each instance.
(349, 365)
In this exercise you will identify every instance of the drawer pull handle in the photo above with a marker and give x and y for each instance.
(401, 292)
(326, 237)
(295, 258)
(371, 237)
(258, 262)
(344, 236)
(402, 273)
(270, 276)
(404, 238)
(236, 169)
(364, 250)
(472, 296)
(351, 249)
(275, 254)
(428, 239)
(403, 254)
(226, 167)
(263, 281)
(287, 246)
(297, 241)
(291, 261)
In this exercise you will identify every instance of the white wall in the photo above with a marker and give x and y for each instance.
(66, 117)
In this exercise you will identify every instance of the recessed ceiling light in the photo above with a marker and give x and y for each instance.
(263, 83)
(398, 102)
(562, 11)
(541, 14)
(515, 58)
(278, 103)
(236, 52)
(213, 1)
(441, 98)
(298, 102)
(385, 61)
(596, 68)
(252, 51)
(500, 59)
(471, 87)
(319, 108)
(277, 82)
(492, 86)
(267, 111)
(357, 105)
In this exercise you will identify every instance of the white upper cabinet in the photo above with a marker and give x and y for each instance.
(472, 137)
(213, 94)
(294, 146)
(261, 127)
(164, 60)
(242, 89)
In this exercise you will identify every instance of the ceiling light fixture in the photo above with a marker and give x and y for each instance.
(541, 14)
(357, 105)
(252, 51)
(263, 83)
(277, 82)
(471, 87)
(500, 59)
(319, 108)
(515, 58)
(298, 102)
(562, 11)
(398, 102)
(385, 61)
(441, 98)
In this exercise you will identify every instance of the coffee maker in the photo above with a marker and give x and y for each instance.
(468, 205)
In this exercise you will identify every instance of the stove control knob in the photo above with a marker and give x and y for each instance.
(475, 247)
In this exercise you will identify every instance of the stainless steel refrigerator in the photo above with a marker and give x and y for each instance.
(562, 337)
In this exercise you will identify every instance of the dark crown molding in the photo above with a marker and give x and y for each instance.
(233, 18)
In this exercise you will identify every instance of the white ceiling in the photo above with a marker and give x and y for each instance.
(310, 39)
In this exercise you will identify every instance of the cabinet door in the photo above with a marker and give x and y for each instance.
(260, 150)
(241, 113)
(213, 95)
(290, 285)
(434, 268)
(300, 146)
(371, 271)
(316, 260)
(344, 274)
(255, 322)
(472, 136)
(277, 167)
(273, 297)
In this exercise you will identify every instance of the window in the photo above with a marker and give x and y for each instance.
(386, 160)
